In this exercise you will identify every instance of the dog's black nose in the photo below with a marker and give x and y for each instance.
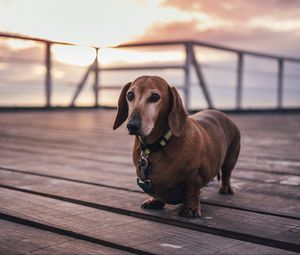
(132, 128)
(134, 124)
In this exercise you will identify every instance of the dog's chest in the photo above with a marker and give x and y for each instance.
(159, 170)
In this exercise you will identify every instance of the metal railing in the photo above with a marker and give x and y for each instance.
(190, 62)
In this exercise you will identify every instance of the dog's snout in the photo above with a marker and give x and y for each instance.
(133, 127)
(134, 124)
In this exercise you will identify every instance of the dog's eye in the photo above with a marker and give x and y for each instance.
(154, 98)
(130, 96)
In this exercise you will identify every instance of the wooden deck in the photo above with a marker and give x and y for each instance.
(68, 186)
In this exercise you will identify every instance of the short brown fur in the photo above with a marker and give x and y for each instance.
(202, 145)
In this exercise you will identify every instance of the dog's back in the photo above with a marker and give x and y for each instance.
(216, 121)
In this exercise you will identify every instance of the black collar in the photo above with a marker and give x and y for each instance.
(147, 149)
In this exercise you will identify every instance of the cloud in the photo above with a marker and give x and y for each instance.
(259, 39)
(239, 9)
(266, 26)
(270, 23)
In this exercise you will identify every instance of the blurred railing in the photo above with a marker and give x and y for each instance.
(191, 62)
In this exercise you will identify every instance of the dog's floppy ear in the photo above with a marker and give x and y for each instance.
(177, 117)
(122, 107)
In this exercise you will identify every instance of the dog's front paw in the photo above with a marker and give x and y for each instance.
(226, 190)
(189, 212)
(153, 204)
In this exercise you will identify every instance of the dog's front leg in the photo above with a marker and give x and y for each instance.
(191, 207)
(153, 203)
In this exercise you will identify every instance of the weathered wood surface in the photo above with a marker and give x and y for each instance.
(67, 178)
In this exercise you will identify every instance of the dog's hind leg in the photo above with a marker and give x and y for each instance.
(227, 167)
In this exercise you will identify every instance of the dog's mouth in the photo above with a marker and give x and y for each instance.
(133, 128)
(132, 132)
(139, 132)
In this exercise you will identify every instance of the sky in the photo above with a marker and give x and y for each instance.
(271, 26)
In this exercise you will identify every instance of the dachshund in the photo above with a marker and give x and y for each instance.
(175, 154)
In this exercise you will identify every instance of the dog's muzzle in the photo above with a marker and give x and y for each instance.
(134, 124)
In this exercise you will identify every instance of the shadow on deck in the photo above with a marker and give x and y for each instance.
(68, 186)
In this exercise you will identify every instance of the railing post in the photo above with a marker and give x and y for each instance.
(239, 80)
(187, 75)
(48, 79)
(280, 83)
(201, 79)
(81, 85)
(96, 82)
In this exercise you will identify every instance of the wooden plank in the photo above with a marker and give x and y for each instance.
(254, 202)
(116, 169)
(20, 239)
(257, 143)
(145, 236)
(263, 226)
(283, 195)
(246, 124)
(277, 167)
(123, 156)
(243, 171)
(110, 174)
(61, 141)
(104, 162)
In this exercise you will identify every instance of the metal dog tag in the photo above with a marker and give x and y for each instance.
(144, 167)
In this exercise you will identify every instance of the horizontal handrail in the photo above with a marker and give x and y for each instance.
(36, 39)
(150, 67)
(209, 45)
(161, 43)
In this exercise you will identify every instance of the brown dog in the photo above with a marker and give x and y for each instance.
(175, 154)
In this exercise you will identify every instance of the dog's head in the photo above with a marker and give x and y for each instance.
(147, 102)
